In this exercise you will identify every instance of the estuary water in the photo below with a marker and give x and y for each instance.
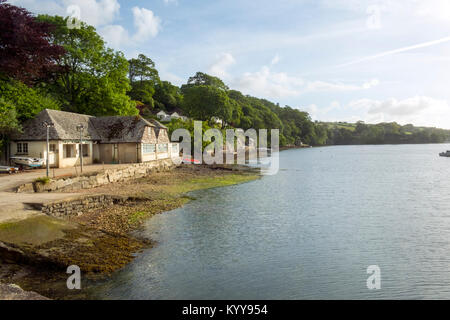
(308, 232)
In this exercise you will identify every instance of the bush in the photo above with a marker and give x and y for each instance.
(42, 180)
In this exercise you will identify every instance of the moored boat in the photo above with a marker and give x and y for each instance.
(445, 154)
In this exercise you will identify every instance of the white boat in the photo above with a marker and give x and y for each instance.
(28, 162)
(445, 154)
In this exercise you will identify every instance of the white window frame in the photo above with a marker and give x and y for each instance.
(148, 148)
(161, 145)
(22, 148)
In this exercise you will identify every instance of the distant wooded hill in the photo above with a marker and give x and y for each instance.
(340, 133)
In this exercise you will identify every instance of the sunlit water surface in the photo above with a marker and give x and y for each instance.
(309, 232)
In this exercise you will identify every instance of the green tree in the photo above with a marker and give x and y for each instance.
(95, 78)
(142, 68)
(203, 79)
(8, 118)
(27, 101)
(143, 77)
(167, 96)
(202, 102)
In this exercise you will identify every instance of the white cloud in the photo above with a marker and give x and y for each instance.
(221, 64)
(322, 114)
(268, 84)
(418, 110)
(102, 14)
(167, 2)
(330, 86)
(146, 23)
(147, 26)
(431, 10)
(93, 12)
(275, 60)
(173, 78)
(271, 84)
(114, 35)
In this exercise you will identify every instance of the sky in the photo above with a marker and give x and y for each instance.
(340, 60)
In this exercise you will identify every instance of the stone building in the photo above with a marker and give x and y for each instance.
(113, 139)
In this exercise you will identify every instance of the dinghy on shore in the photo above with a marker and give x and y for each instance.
(28, 162)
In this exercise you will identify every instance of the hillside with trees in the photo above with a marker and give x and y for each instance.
(45, 64)
(383, 133)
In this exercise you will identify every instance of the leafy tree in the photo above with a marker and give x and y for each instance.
(25, 52)
(27, 101)
(143, 78)
(8, 118)
(142, 68)
(143, 92)
(203, 79)
(95, 78)
(203, 102)
(167, 96)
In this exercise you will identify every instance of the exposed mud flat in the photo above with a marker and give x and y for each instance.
(35, 252)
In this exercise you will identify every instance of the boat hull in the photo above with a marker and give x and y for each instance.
(28, 162)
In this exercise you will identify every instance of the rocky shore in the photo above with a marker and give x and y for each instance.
(35, 253)
(14, 292)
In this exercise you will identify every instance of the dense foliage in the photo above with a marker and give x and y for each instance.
(94, 80)
(383, 133)
(25, 52)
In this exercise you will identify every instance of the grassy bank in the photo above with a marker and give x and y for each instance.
(101, 241)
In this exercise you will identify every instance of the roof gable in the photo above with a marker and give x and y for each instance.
(63, 126)
(111, 129)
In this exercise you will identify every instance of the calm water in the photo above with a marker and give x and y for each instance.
(308, 232)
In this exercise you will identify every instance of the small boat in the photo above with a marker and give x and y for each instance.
(445, 154)
(8, 169)
(190, 160)
(28, 162)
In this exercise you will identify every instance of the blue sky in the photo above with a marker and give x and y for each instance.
(340, 60)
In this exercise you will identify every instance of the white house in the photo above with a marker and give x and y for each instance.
(163, 116)
(113, 139)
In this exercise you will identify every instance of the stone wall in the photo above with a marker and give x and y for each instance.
(133, 171)
(78, 206)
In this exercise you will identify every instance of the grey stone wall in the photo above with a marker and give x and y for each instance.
(133, 171)
(78, 206)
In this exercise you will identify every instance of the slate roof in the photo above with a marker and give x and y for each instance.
(117, 129)
(112, 129)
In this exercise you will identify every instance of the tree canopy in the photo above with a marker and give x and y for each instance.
(94, 80)
(25, 52)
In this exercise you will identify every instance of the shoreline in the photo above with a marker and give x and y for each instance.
(103, 241)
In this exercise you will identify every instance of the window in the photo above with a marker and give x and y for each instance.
(52, 147)
(148, 148)
(162, 147)
(22, 147)
(175, 147)
(69, 151)
(85, 150)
